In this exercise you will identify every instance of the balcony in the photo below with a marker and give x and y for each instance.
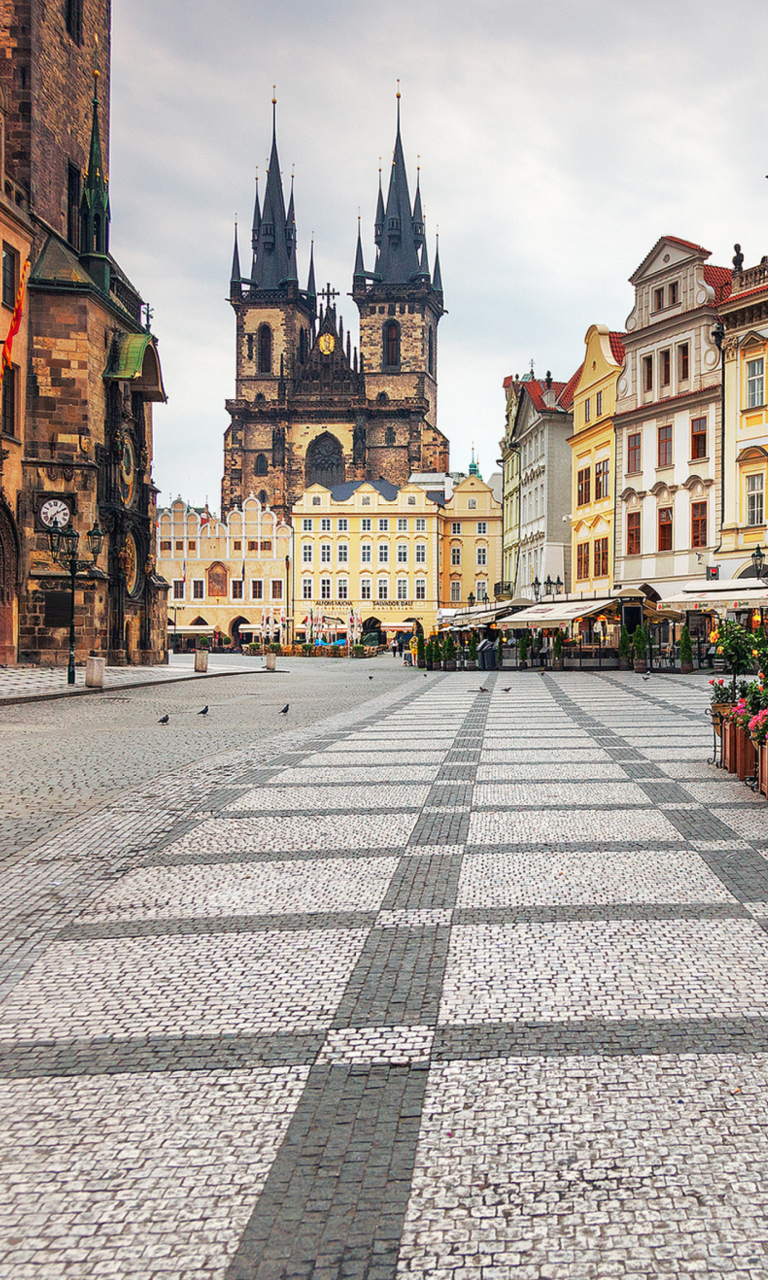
(752, 278)
(503, 590)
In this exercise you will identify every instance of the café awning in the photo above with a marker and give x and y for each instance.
(717, 595)
(558, 612)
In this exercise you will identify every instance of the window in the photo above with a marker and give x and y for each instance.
(602, 478)
(633, 452)
(306, 588)
(391, 345)
(73, 17)
(180, 544)
(266, 545)
(306, 525)
(342, 525)
(666, 367)
(237, 588)
(674, 294)
(166, 547)
(421, 524)
(584, 486)
(471, 504)
(755, 499)
(455, 592)
(257, 589)
(365, 501)
(411, 499)
(325, 553)
(455, 555)
(10, 397)
(665, 446)
(698, 524)
(366, 524)
(587, 409)
(647, 373)
(665, 528)
(482, 526)
(601, 557)
(238, 545)
(383, 553)
(698, 437)
(383, 589)
(633, 533)
(342, 552)
(599, 405)
(366, 553)
(402, 588)
(342, 589)
(658, 299)
(178, 588)
(482, 555)
(402, 553)
(73, 205)
(325, 525)
(10, 276)
(383, 526)
(198, 589)
(365, 589)
(402, 525)
(316, 500)
(306, 553)
(683, 362)
(421, 589)
(325, 588)
(582, 561)
(265, 349)
(456, 526)
(421, 553)
(755, 383)
(261, 465)
(481, 589)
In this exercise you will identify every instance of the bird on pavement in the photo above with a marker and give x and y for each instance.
(646, 677)
(370, 677)
(204, 711)
(483, 689)
(164, 719)
(284, 710)
(508, 689)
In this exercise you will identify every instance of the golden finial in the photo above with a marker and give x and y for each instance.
(398, 86)
(96, 58)
(274, 96)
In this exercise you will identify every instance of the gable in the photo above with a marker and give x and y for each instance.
(668, 253)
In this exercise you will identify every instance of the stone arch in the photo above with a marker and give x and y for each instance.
(9, 568)
(262, 465)
(264, 348)
(325, 462)
(234, 627)
(390, 335)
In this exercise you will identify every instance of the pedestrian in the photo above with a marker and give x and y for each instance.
(393, 646)
(400, 644)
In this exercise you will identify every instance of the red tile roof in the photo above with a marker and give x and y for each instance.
(720, 279)
(687, 244)
(617, 346)
(536, 390)
(566, 399)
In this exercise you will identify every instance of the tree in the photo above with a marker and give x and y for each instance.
(640, 644)
(625, 645)
(686, 648)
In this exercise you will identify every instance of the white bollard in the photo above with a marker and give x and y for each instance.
(201, 660)
(94, 673)
(270, 661)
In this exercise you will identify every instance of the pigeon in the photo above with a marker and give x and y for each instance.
(204, 711)
(284, 710)
(483, 689)
(508, 689)
(370, 677)
(646, 677)
(164, 719)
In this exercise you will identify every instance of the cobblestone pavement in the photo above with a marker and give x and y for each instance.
(446, 984)
(33, 682)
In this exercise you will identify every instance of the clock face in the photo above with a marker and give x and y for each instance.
(55, 514)
(127, 476)
(326, 343)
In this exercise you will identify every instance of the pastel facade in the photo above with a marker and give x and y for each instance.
(470, 531)
(593, 462)
(668, 419)
(510, 482)
(227, 575)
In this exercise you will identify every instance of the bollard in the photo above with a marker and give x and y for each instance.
(94, 673)
(201, 660)
(270, 661)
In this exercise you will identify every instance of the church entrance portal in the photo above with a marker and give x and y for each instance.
(8, 565)
(325, 463)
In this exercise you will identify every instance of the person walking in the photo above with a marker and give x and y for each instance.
(393, 646)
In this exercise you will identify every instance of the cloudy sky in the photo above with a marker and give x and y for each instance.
(557, 140)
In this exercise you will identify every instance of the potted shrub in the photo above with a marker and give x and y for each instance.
(472, 652)
(449, 653)
(640, 649)
(625, 650)
(557, 652)
(734, 647)
(500, 651)
(522, 650)
(758, 732)
(686, 652)
(275, 648)
(428, 651)
(720, 702)
(421, 657)
(358, 650)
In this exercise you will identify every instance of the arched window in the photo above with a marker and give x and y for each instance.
(302, 345)
(431, 350)
(391, 343)
(265, 349)
(261, 465)
(325, 462)
(389, 435)
(263, 497)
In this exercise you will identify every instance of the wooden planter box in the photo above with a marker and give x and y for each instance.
(745, 754)
(763, 757)
(729, 746)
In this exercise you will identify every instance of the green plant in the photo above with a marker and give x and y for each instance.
(253, 648)
(449, 648)
(473, 646)
(557, 646)
(225, 641)
(686, 648)
(306, 648)
(275, 648)
(203, 642)
(639, 644)
(420, 652)
(625, 645)
(736, 646)
(524, 646)
(357, 649)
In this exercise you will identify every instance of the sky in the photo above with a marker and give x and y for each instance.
(558, 140)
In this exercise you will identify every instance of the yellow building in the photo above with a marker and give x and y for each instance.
(743, 451)
(470, 523)
(593, 462)
(231, 577)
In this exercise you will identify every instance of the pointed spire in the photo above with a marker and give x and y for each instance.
(274, 256)
(94, 205)
(256, 217)
(418, 217)
(379, 224)
(437, 278)
(290, 238)
(424, 262)
(359, 273)
(398, 257)
(235, 288)
(311, 286)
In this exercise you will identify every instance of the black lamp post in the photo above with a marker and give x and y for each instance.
(471, 600)
(536, 587)
(758, 561)
(63, 544)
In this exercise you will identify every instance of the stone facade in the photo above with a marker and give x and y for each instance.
(92, 371)
(594, 461)
(308, 409)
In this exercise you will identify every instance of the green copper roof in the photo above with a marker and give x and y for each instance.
(136, 360)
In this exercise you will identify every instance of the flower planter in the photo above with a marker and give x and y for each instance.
(745, 754)
(522, 666)
(686, 668)
(430, 665)
(421, 663)
(557, 664)
(623, 664)
(762, 756)
(641, 665)
(449, 664)
(717, 709)
(729, 746)
(471, 665)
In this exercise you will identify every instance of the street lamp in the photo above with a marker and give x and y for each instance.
(471, 600)
(758, 561)
(63, 544)
(536, 587)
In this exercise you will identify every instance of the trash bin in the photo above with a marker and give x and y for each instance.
(486, 656)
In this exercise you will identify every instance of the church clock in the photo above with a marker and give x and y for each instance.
(127, 473)
(326, 342)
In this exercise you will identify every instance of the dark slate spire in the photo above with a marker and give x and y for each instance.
(94, 205)
(424, 262)
(235, 290)
(359, 274)
(255, 228)
(273, 257)
(290, 238)
(437, 279)
(378, 230)
(311, 286)
(418, 217)
(398, 256)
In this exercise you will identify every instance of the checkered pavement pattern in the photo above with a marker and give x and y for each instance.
(473, 984)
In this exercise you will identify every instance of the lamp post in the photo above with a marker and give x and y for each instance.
(63, 545)
(471, 600)
(537, 588)
(758, 562)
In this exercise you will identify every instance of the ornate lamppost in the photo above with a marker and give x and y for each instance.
(553, 588)
(758, 562)
(63, 544)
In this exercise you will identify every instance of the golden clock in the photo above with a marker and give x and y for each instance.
(326, 343)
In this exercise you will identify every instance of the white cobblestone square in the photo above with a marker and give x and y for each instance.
(282, 835)
(605, 827)
(351, 799)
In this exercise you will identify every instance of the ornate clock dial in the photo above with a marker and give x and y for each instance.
(326, 343)
(55, 514)
(127, 477)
